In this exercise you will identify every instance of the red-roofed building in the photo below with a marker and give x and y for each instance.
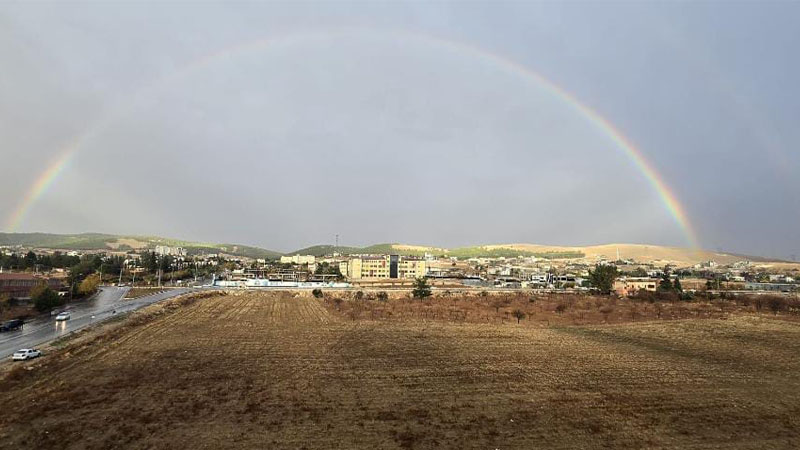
(19, 285)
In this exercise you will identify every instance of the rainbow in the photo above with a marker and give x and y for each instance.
(39, 187)
(667, 197)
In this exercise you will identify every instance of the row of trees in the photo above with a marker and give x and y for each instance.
(31, 261)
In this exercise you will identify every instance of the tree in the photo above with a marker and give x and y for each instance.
(5, 301)
(44, 298)
(383, 296)
(518, 314)
(677, 285)
(30, 260)
(602, 278)
(317, 293)
(665, 285)
(166, 263)
(421, 288)
(500, 303)
(89, 285)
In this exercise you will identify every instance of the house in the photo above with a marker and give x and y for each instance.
(626, 287)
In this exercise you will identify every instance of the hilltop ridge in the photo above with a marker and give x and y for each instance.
(639, 252)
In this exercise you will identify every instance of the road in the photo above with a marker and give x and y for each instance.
(105, 304)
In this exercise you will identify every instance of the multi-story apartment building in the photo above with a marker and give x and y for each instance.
(298, 259)
(387, 266)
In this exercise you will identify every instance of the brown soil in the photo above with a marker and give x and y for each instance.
(272, 370)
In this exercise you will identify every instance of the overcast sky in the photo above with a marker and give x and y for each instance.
(281, 125)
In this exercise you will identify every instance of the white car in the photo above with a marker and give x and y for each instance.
(26, 353)
(63, 316)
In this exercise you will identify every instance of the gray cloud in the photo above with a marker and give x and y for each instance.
(353, 122)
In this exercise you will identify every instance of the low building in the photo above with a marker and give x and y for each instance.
(19, 285)
(385, 266)
(626, 287)
(772, 287)
(163, 250)
(298, 259)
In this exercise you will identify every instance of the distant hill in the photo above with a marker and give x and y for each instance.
(641, 252)
(417, 250)
(638, 252)
(112, 242)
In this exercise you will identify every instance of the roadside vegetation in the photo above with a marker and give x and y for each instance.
(138, 292)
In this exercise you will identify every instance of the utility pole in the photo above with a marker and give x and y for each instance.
(119, 283)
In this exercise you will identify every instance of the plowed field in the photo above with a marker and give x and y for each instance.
(267, 370)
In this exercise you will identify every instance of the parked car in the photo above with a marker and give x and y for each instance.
(25, 354)
(12, 325)
(63, 316)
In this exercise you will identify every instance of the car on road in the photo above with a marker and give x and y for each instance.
(11, 325)
(26, 354)
(63, 316)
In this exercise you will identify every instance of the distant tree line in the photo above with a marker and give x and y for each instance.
(32, 261)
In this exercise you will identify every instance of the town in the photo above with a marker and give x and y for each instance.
(23, 268)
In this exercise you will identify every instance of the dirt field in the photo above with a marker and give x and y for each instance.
(268, 370)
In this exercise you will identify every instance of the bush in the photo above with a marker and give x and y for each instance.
(44, 298)
(383, 296)
(606, 311)
(777, 304)
(421, 288)
(317, 293)
(358, 295)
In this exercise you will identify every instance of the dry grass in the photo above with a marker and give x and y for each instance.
(137, 292)
(272, 370)
(554, 309)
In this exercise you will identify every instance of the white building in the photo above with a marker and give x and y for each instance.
(298, 259)
(163, 250)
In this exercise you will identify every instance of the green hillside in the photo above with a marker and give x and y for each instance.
(99, 241)
(462, 252)
(322, 250)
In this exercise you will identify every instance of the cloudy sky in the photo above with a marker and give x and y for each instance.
(447, 124)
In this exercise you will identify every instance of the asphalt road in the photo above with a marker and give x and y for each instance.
(102, 306)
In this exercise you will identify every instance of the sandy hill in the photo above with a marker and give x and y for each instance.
(639, 252)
